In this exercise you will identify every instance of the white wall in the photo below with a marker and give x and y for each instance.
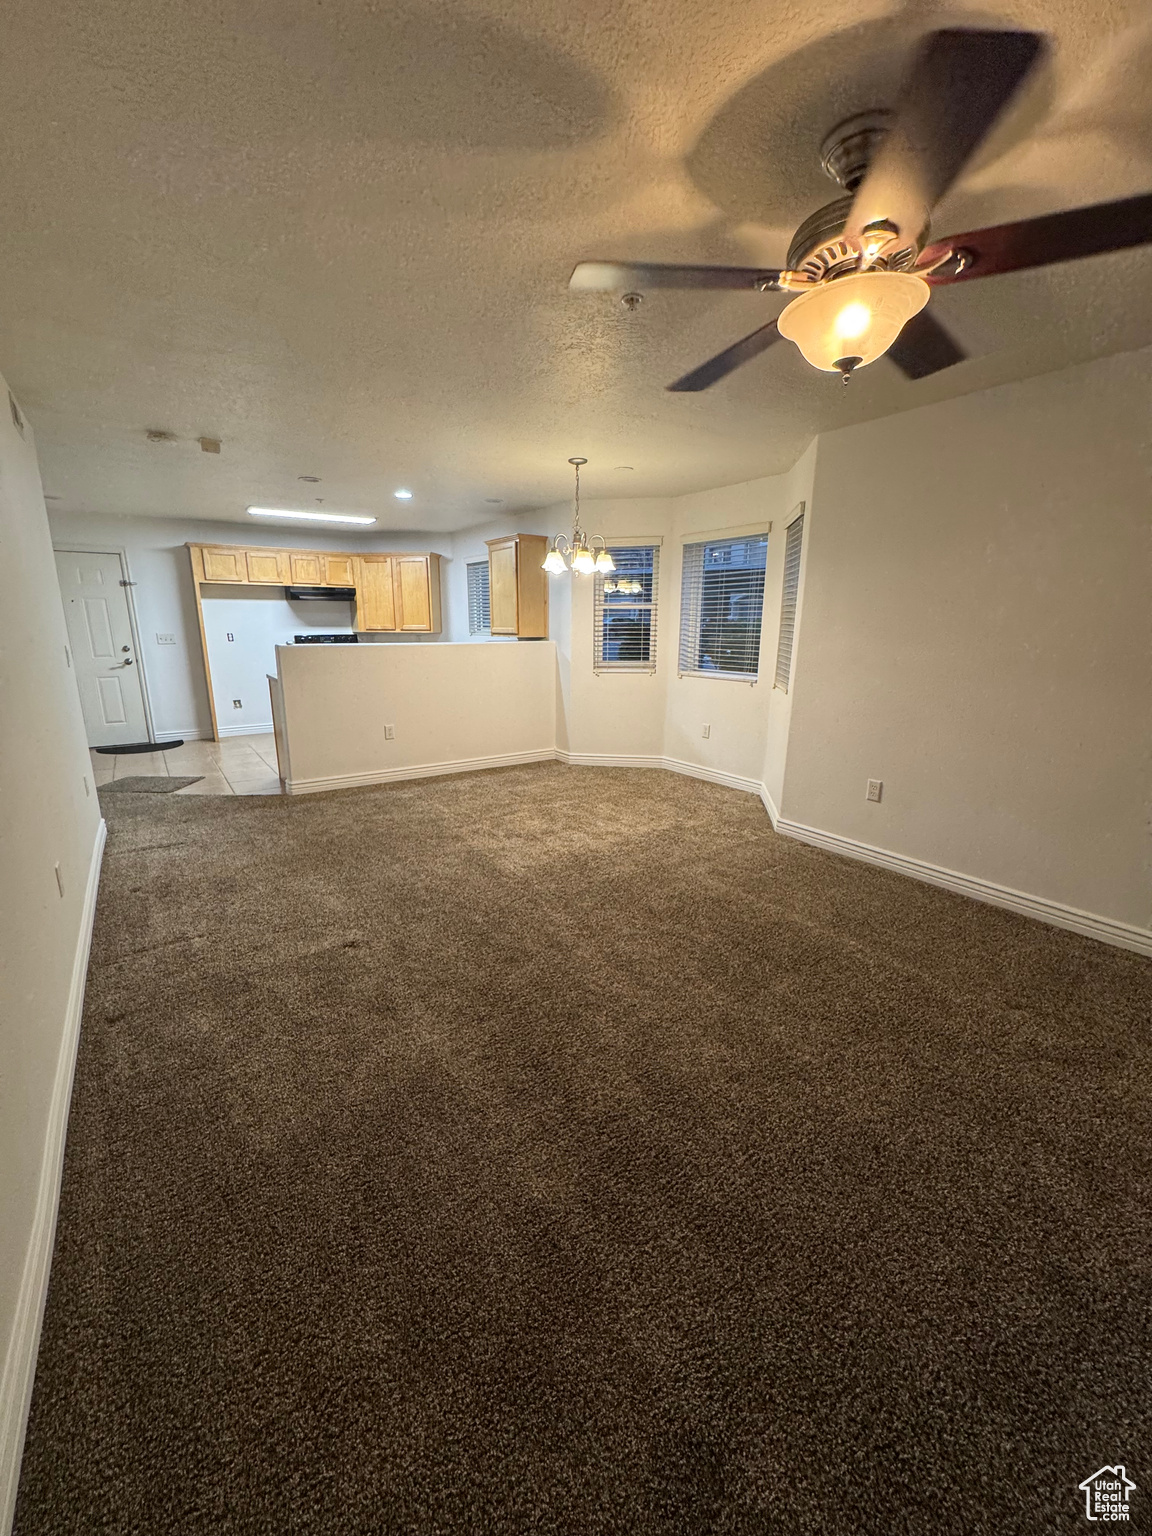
(446, 704)
(978, 634)
(48, 817)
(165, 602)
(243, 626)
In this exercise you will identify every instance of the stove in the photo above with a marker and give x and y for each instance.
(323, 639)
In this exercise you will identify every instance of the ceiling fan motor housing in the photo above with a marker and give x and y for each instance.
(819, 252)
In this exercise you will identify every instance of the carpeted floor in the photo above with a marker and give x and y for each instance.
(443, 1161)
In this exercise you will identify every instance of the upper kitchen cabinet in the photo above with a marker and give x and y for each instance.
(221, 564)
(518, 586)
(338, 571)
(398, 594)
(267, 567)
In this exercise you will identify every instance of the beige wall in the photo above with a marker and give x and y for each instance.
(48, 817)
(976, 633)
(450, 703)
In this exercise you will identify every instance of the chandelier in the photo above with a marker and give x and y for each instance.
(579, 552)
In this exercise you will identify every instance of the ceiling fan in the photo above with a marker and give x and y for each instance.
(859, 267)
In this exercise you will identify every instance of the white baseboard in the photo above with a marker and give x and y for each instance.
(771, 807)
(247, 730)
(20, 1359)
(193, 733)
(1092, 926)
(421, 771)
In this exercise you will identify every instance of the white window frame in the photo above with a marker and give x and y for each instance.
(789, 598)
(690, 620)
(599, 665)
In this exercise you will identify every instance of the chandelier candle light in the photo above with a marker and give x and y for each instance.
(578, 553)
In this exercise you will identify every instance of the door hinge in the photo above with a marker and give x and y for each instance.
(127, 583)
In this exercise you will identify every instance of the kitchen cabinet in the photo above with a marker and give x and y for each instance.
(518, 586)
(338, 571)
(223, 564)
(398, 594)
(305, 570)
(375, 593)
(267, 567)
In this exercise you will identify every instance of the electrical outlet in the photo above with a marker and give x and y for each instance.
(237, 703)
(169, 639)
(59, 880)
(875, 788)
(705, 731)
(389, 733)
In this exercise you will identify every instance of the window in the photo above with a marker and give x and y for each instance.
(479, 622)
(721, 604)
(624, 624)
(792, 544)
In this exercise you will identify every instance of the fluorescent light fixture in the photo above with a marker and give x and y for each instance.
(402, 495)
(309, 517)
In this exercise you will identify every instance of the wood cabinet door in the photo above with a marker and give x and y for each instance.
(375, 593)
(413, 599)
(267, 566)
(306, 570)
(503, 607)
(224, 564)
(338, 571)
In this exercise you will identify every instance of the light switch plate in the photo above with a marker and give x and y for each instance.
(165, 639)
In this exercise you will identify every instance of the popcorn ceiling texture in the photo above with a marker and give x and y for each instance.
(338, 238)
(442, 1162)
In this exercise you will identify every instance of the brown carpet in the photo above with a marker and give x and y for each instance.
(445, 1160)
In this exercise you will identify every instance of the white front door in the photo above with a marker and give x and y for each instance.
(103, 650)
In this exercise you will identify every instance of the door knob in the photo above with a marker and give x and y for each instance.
(125, 647)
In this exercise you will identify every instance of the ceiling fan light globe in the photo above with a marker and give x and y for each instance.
(868, 309)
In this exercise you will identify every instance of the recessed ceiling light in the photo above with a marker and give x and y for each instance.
(311, 517)
(624, 466)
(402, 495)
(311, 479)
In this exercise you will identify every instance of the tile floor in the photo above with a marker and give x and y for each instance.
(239, 765)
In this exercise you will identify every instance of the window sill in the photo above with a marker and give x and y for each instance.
(751, 678)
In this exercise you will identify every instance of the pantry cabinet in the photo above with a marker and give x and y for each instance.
(518, 586)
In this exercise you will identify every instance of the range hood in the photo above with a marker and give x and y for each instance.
(322, 594)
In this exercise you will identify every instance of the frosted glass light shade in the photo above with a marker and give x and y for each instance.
(583, 561)
(604, 561)
(858, 316)
(554, 563)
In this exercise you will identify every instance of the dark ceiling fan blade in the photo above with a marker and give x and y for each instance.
(727, 361)
(960, 82)
(604, 276)
(924, 347)
(1053, 237)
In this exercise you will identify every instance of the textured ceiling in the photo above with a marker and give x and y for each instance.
(338, 236)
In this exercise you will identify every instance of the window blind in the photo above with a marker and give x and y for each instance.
(721, 606)
(479, 619)
(624, 611)
(792, 545)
